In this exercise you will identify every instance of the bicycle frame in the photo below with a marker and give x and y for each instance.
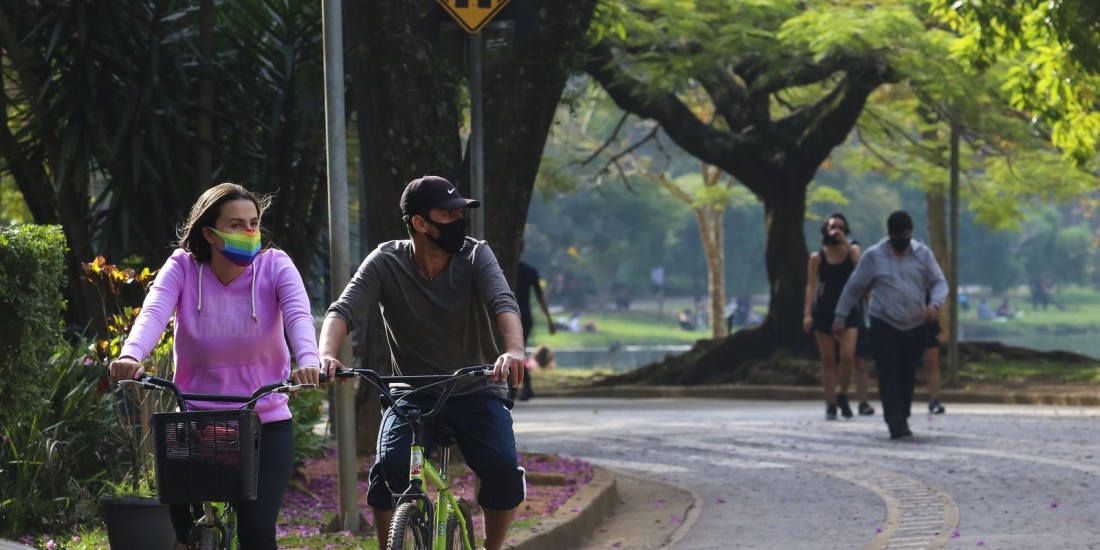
(421, 471)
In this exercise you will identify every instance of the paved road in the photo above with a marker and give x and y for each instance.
(777, 475)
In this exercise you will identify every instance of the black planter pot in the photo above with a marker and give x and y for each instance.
(137, 523)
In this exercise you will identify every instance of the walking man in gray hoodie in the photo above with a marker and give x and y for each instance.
(899, 271)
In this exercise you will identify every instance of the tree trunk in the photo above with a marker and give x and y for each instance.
(711, 230)
(405, 95)
(937, 237)
(785, 257)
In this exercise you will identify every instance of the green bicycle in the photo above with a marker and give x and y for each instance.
(210, 457)
(418, 522)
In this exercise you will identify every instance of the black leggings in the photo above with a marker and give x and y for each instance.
(255, 519)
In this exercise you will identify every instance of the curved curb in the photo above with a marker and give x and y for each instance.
(1041, 395)
(12, 545)
(566, 528)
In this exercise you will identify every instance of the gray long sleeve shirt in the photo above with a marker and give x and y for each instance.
(899, 284)
(432, 326)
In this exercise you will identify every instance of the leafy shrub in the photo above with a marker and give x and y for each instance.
(54, 464)
(306, 408)
(31, 278)
(121, 291)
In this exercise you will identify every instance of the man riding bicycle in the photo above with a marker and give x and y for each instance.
(439, 292)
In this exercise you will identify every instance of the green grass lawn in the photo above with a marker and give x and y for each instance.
(1079, 307)
(626, 328)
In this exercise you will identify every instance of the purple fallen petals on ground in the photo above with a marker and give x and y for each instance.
(616, 544)
(720, 500)
(658, 504)
(1054, 504)
(878, 529)
(955, 534)
(981, 542)
(675, 519)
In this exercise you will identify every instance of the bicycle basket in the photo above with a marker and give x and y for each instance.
(207, 455)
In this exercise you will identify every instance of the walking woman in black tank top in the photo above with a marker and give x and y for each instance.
(828, 271)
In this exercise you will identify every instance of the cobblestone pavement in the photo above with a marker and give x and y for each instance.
(770, 474)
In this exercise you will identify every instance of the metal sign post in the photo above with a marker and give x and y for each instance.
(477, 137)
(473, 15)
(339, 266)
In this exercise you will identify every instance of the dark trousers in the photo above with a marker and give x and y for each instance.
(255, 519)
(482, 426)
(897, 353)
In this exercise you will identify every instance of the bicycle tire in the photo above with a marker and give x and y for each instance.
(454, 532)
(205, 538)
(408, 529)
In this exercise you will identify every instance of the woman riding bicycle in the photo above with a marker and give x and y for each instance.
(235, 304)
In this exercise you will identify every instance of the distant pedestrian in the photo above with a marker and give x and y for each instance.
(527, 280)
(863, 353)
(931, 361)
(900, 271)
(985, 312)
(827, 271)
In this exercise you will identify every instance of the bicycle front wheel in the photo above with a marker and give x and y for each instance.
(204, 538)
(454, 532)
(409, 528)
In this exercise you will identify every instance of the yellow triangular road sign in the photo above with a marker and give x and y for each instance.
(472, 15)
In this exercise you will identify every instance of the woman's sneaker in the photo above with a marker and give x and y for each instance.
(935, 407)
(830, 412)
(865, 409)
(842, 403)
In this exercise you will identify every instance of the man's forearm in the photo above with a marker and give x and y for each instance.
(333, 332)
(512, 331)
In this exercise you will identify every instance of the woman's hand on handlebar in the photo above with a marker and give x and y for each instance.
(125, 368)
(307, 375)
(510, 367)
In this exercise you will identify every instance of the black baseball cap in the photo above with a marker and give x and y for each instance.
(423, 194)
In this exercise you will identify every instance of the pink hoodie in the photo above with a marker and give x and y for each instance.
(229, 339)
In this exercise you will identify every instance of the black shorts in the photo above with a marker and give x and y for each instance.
(932, 339)
(863, 343)
(823, 320)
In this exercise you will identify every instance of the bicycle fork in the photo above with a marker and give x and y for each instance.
(212, 515)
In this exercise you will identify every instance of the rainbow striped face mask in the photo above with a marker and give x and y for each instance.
(240, 248)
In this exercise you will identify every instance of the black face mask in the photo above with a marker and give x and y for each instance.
(831, 239)
(452, 236)
(899, 244)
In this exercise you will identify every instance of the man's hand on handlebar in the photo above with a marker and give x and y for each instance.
(329, 366)
(510, 367)
(125, 368)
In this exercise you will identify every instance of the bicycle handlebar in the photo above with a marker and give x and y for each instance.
(447, 381)
(154, 383)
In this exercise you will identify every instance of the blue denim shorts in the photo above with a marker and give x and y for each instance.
(482, 425)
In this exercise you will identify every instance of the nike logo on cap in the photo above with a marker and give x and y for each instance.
(451, 190)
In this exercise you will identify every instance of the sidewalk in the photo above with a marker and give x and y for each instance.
(597, 516)
(1035, 395)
